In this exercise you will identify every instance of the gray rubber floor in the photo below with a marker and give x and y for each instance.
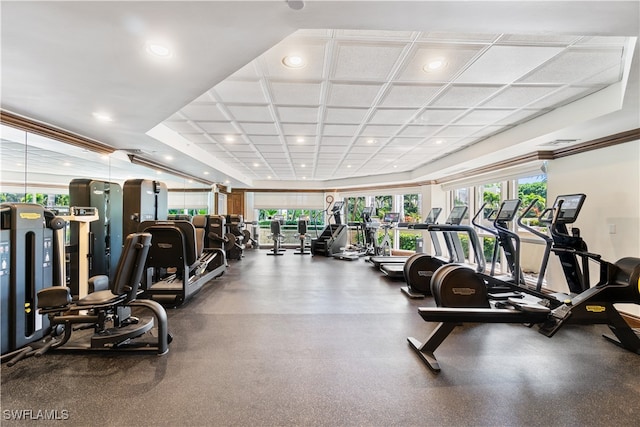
(310, 341)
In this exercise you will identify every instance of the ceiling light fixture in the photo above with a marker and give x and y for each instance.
(102, 117)
(255, 165)
(300, 139)
(434, 65)
(303, 165)
(371, 141)
(158, 50)
(439, 141)
(168, 157)
(293, 61)
(229, 138)
(206, 172)
(295, 4)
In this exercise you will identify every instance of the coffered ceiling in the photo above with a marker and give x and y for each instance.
(386, 92)
(374, 102)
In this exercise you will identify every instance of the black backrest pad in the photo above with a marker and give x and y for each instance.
(131, 264)
(166, 240)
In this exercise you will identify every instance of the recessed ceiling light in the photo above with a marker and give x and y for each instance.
(434, 64)
(190, 181)
(295, 4)
(159, 50)
(293, 61)
(269, 177)
(395, 166)
(255, 165)
(303, 165)
(206, 172)
(66, 164)
(348, 166)
(229, 138)
(304, 177)
(439, 141)
(103, 117)
(226, 181)
(300, 139)
(168, 158)
(371, 141)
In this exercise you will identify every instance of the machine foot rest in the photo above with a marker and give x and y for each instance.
(408, 292)
(116, 336)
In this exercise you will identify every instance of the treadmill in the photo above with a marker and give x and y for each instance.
(454, 247)
(431, 219)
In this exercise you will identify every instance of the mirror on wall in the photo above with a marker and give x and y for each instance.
(36, 167)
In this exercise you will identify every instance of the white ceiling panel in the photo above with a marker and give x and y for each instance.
(454, 57)
(259, 128)
(518, 96)
(266, 140)
(298, 114)
(436, 116)
(505, 64)
(392, 116)
(199, 112)
(250, 113)
(339, 130)
(409, 95)
(299, 128)
(575, 65)
(335, 140)
(483, 116)
(352, 95)
(240, 92)
(457, 131)
(291, 93)
(464, 96)
(419, 130)
(217, 127)
(345, 115)
(367, 61)
(380, 130)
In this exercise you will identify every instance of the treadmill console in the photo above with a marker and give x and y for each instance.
(456, 215)
(434, 213)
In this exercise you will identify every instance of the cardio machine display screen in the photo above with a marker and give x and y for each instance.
(571, 205)
(508, 210)
(434, 213)
(391, 217)
(456, 215)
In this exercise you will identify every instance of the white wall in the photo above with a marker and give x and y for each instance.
(610, 218)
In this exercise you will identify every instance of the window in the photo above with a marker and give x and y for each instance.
(353, 209)
(289, 228)
(411, 207)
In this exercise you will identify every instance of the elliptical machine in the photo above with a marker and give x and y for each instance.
(276, 235)
(618, 283)
(302, 236)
